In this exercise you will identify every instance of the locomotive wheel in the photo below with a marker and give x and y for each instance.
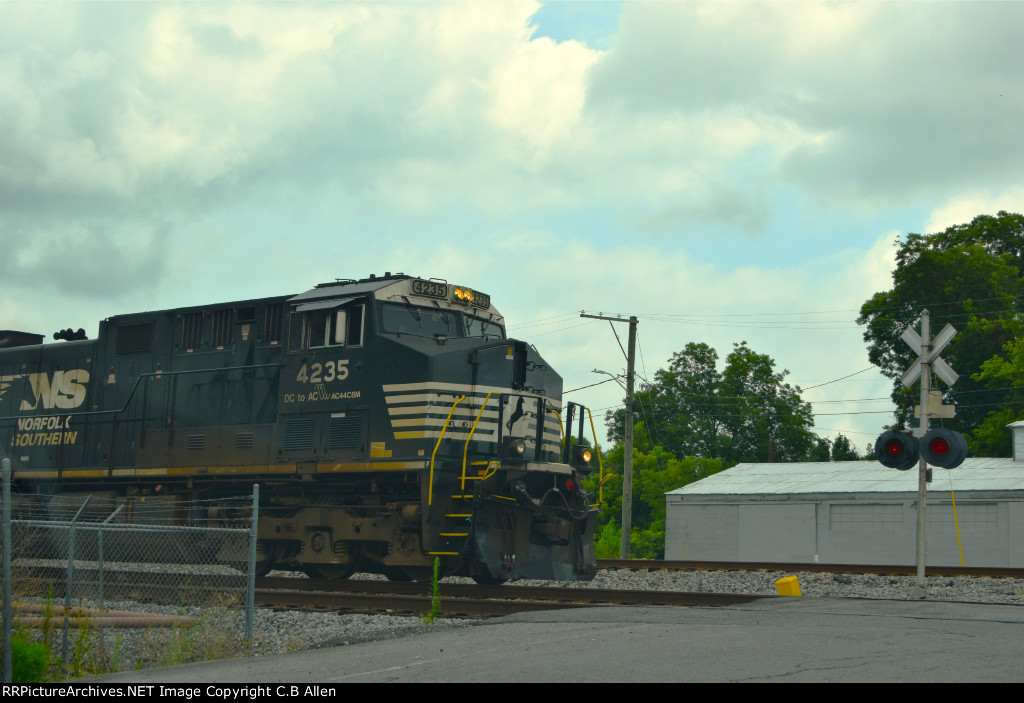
(485, 579)
(337, 571)
(397, 575)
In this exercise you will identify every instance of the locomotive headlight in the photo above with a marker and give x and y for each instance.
(581, 457)
(513, 448)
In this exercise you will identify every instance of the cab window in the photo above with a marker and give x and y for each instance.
(426, 322)
(334, 328)
(478, 327)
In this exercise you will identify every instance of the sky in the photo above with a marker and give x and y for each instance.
(726, 171)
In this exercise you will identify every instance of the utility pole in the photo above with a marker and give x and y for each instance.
(627, 469)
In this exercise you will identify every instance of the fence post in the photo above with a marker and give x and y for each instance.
(70, 584)
(250, 596)
(8, 610)
(99, 549)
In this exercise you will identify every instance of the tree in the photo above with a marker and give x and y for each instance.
(1005, 372)
(968, 276)
(842, 450)
(767, 420)
(744, 413)
(655, 472)
(821, 450)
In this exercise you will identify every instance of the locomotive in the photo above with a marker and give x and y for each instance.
(389, 422)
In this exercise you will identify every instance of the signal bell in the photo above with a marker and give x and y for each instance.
(897, 450)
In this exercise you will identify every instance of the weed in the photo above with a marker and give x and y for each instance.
(435, 604)
(29, 660)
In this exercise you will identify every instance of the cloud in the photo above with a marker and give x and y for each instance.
(870, 102)
(964, 208)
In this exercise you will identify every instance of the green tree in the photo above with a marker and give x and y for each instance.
(969, 276)
(655, 472)
(1006, 373)
(821, 450)
(842, 450)
(743, 413)
(766, 420)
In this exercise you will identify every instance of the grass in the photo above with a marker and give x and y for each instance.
(37, 652)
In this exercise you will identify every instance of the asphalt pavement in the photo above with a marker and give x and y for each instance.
(796, 639)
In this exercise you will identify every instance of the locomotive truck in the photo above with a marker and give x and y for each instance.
(389, 421)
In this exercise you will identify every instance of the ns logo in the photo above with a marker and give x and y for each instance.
(64, 390)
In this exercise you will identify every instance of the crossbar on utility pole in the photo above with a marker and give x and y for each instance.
(627, 468)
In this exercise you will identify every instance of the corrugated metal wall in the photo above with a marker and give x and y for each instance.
(831, 529)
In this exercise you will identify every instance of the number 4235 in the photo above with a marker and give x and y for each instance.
(323, 373)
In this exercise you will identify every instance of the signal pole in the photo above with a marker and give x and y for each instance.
(627, 469)
(942, 448)
(922, 468)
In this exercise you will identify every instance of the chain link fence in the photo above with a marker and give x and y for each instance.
(108, 582)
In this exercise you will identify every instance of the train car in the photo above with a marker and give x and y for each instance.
(389, 421)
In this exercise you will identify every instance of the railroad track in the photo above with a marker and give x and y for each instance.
(882, 570)
(458, 600)
(465, 600)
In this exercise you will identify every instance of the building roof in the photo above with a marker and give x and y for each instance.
(975, 474)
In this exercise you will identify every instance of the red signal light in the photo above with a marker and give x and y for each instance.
(894, 448)
(944, 448)
(569, 484)
(897, 450)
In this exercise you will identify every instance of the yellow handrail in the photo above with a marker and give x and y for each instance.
(430, 491)
(560, 430)
(600, 465)
(465, 450)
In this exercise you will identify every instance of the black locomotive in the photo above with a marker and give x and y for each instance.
(388, 421)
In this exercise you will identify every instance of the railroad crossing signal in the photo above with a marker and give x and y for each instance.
(944, 448)
(939, 447)
(897, 450)
(940, 367)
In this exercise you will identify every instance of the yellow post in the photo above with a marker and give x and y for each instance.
(956, 522)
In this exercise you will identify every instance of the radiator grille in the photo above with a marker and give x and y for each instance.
(222, 320)
(191, 331)
(344, 433)
(273, 315)
(297, 434)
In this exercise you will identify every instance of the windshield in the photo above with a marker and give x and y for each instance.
(477, 327)
(407, 319)
(430, 322)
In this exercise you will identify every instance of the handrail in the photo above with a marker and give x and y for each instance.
(465, 450)
(560, 430)
(430, 491)
(600, 465)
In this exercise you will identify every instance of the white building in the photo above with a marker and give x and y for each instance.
(852, 512)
